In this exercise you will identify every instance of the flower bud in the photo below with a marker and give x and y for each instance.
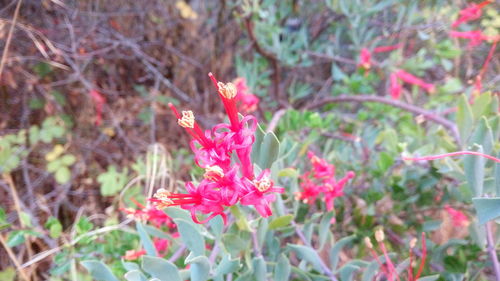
(379, 235)
(368, 242)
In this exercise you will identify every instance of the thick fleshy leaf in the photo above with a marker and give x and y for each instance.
(259, 268)
(335, 251)
(191, 237)
(347, 272)
(160, 268)
(324, 228)
(200, 268)
(282, 269)
(226, 266)
(146, 242)
(429, 278)
(474, 167)
(487, 208)
(99, 270)
(135, 275)
(465, 119)
(265, 149)
(308, 254)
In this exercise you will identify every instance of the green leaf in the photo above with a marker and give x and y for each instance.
(282, 269)
(25, 219)
(385, 161)
(16, 238)
(135, 275)
(63, 175)
(481, 105)
(497, 177)
(217, 226)
(259, 268)
(265, 148)
(429, 278)
(54, 226)
(347, 272)
(8, 274)
(233, 243)
(335, 251)
(474, 167)
(439, 253)
(112, 181)
(324, 228)
(68, 159)
(308, 254)
(280, 222)
(465, 119)
(200, 268)
(146, 242)
(160, 268)
(191, 237)
(226, 266)
(487, 208)
(99, 270)
(83, 225)
(453, 264)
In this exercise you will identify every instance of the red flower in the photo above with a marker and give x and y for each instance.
(458, 218)
(133, 254)
(476, 37)
(156, 217)
(411, 79)
(365, 58)
(395, 87)
(260, 194)
(225, 182)
(248, 102)
(99, 102)
(472, 12)
(321, 180)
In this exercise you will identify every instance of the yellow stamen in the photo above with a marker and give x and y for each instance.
(262, 185)
(227, 90)
(213, 173)
(187, 120)
(163, 195)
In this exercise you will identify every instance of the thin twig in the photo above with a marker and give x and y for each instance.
(432, 116)
(14, 259)
(492, 251)
(9, 36)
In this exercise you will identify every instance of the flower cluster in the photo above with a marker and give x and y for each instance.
(472, 12)
(227, 181)
(321, 180)
(161, 246)
(387, 267)
(396, 88)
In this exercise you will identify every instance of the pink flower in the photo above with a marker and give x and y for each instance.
(382, 49)
(161, 245)
(365, 58)
(133, 254)
(99, 102)
(248, 102)
(472, 12)
(476, 37)
(458, 218)
(260, 194)
(227, 181)
(395, 87)
(156, 217)
(411, 79)
(321, 180)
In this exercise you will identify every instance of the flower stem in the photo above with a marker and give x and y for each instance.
(491, 250)
(439, 156)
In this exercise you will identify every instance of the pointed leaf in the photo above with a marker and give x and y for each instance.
(135, 275)
(280, 222)
(487, 208)
(200, 268)
(335, 251)
(308, 254)
(465, 119)
(191, 237)
(282, 269)
(259, 268)
(146, 242)
(474, 167)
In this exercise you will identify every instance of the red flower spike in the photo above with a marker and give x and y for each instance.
(382, 49)
(248, 102)
(395, 87)
(227, 92)
(476, 37)
(365, 59)
(133, 255)
(472, 12)
(411, 79)
(188, 122)
(424, 256)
